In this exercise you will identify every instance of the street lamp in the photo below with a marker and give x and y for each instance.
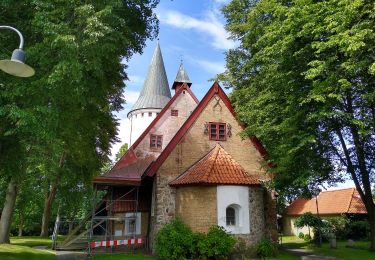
(16, 65)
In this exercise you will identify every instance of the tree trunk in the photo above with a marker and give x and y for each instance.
(371, 220)
(6, 215)
(48, 201)
(20, 226)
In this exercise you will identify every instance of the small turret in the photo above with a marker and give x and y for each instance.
(181, 78)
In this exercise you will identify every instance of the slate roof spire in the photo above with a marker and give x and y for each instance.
(181, 77)
(155, 92)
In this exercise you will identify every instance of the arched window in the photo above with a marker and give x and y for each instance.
(231, 216)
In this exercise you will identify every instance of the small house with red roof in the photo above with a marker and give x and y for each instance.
(331, 203)
(189, 162)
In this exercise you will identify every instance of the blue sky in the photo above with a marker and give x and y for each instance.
(191, 30)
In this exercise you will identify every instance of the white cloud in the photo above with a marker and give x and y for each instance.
(211, 66)
(130, 97)
(135, 79)
(211, 25)
(123, 134)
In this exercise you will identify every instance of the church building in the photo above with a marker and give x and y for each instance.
(186, 159)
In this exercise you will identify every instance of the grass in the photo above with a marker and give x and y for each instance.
(16, 252)
(31, 241)
(359, 251)
(122, 256)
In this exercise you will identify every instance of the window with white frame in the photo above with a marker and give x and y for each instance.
(132, 223)
(230, 216)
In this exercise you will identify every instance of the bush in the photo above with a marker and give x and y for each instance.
(174, 241)
(307, 238)
(338, 226)
(265, 248)
(301, 235)
(216, 244)
(244, 250)
(358, 230)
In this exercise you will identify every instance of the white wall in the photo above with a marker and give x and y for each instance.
(234, 195)
(139, 123)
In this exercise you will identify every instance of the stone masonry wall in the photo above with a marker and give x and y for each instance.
(257, 221)
(197, 207)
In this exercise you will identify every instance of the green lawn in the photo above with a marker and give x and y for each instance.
(360, 250)
(31, 241)
(16, 252)
(122, 256)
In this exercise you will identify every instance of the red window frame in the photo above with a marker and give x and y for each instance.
(217, 131)
(156, 141)
(174, 112)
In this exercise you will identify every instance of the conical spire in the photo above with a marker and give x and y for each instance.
(181, 77)
(155, 92)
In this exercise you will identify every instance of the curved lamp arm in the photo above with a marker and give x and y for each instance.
(18, 32)
(16, 65)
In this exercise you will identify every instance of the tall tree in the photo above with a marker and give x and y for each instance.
(304, 82)
(121, 151)
(62, 117)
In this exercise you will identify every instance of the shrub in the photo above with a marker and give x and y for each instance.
(215, 244)
(174, 241)
(307, 238)
(265, 248)
(241, 248)
(301, 235)
(338, 226)
(358, 230)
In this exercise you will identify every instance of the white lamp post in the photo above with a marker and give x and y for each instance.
(16, 65)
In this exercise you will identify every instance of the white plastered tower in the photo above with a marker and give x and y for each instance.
(154, 96)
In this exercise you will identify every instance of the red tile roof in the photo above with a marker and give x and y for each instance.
(330, 203)
(216, 167)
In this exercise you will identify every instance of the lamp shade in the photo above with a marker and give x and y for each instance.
(16, 66)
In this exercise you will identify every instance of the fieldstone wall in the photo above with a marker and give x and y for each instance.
(257, 221)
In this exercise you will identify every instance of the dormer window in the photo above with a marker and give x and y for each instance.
(174, 112)
(156, 141)
(217, 131)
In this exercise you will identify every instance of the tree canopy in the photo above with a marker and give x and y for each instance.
(60, 122)
(304, 83)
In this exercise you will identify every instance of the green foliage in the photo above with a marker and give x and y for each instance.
(216, 244)
(301, 235)
(307, 237)
(308, 219)
(266, 248)
(338, 226)
(304, 84)
(244, 250)
(121, 151)
(358, 230)
(58, 126)
(174, 241)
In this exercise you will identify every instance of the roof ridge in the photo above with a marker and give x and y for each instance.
(337, 190)
(195, 163)
(217, 147)
(350, 200)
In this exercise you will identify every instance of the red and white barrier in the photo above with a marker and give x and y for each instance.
(109, 243)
